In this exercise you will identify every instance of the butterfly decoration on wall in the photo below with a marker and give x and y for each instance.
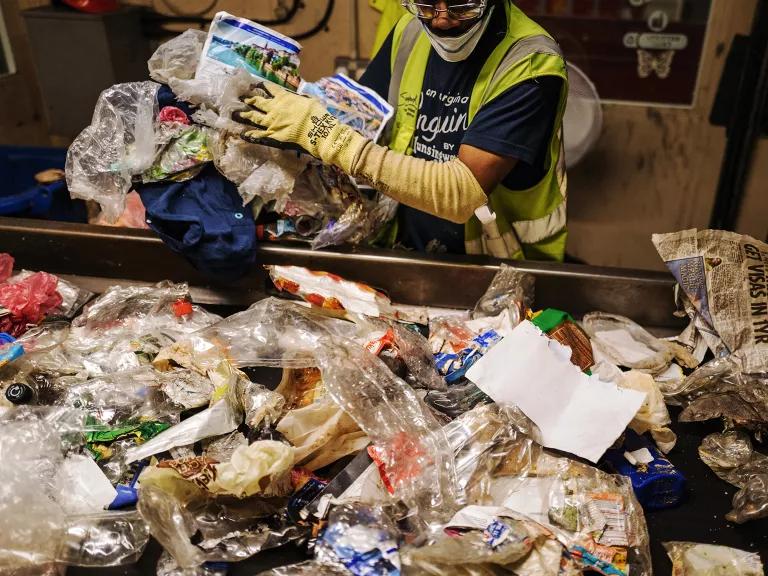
(659, 63)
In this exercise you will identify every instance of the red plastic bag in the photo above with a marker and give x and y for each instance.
(27, 300)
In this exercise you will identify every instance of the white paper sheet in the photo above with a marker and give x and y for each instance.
(576, 413)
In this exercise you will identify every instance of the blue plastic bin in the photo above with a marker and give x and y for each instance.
(21, 196)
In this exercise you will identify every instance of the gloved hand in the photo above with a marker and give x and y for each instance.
(448, 190)
(283, 117)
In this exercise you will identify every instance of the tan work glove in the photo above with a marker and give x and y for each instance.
(448, 190)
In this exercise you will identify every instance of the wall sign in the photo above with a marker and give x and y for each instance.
(633, 50)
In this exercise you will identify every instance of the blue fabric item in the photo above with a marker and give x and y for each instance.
(517, 124)
(204, 220)
(166, 97)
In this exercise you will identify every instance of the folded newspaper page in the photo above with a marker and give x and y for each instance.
(724, 276)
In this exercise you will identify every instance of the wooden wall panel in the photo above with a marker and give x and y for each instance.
(22, 121)
(654, 169)
(753, 218)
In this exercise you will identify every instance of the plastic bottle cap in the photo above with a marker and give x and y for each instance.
(19, 394)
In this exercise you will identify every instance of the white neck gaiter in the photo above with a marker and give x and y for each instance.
(458, 48)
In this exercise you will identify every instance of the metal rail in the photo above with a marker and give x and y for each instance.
(98, 256)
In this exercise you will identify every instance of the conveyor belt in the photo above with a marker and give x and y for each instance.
(97, 256)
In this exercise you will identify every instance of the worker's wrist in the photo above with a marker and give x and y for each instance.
(343, 147)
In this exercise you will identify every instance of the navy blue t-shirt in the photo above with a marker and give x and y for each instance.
(516, 124)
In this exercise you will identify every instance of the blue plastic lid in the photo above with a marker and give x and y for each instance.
(6, 338)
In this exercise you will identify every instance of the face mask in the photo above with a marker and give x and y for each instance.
(458, 48)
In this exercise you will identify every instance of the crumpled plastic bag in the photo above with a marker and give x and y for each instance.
(36, 530)
(510, 289)
(125, 327)
(118, 144)
(722, 389)
(28, 300)
(486, 539)
(73, 297)
(627, 344)
(182, 157)
(412, 448)
(269, 173)
(178, 57)
(31, 452)
(134, 215)
(595, 510)
(6, 266)
(225, 529)
(691, 559)
(730, 455)
(320, 434)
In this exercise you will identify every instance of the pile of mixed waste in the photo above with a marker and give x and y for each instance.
(395, 440)
(165, 154)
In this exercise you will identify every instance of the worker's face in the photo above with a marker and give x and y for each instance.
(443, 25)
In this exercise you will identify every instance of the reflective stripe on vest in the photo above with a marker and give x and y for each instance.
(537, 216)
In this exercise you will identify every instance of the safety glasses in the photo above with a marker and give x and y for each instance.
(427, 9)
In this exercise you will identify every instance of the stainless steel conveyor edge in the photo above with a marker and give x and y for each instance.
(98, 256)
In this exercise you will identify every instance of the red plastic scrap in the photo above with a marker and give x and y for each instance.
(28, 301)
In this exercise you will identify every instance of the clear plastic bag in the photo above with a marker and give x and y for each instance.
(229, 529)
(730, 455)
(118, 144)
(219, 95)
(491, 540)
(594, 510)
(172, 525)
(182, 157)
(320, 434)
(457, 399)
(259, 171)
(691, 559)
(177, 58)
(33, 442)
(625, 343)
(37, 340)
(126, 327)
(411, 446)
(272, 332)
(123, 397)
(510, 289)
(406, 352)
(721, 389)
(103, 539)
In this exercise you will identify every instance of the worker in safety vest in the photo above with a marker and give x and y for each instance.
(474, 153)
